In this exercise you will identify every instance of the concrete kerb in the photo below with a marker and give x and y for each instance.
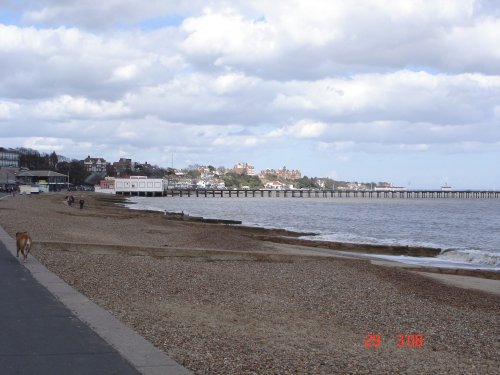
(147, 359)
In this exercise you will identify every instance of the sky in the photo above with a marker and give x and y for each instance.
(363, 90)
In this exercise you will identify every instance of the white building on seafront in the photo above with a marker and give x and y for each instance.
(135, 185)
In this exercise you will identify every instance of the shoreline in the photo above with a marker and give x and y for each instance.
(220, 300)
(284, 236)
(280, 235)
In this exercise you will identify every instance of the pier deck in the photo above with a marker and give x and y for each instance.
(254, 193)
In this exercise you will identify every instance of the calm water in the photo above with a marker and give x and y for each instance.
(467, 230)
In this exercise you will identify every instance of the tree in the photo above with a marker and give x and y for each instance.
(32, 159)
(235, 180)
(53, 160)
(221, 170)
(110, 170)
(76, 171)
(170, 172)
(306, 183)
(193, 173)
(271, 176)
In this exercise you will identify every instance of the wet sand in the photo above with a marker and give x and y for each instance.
(224, 300)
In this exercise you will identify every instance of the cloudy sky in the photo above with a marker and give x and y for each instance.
(362, 90)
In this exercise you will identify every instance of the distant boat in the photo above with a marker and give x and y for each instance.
(446, 188)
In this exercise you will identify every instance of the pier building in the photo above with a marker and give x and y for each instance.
(140, 185)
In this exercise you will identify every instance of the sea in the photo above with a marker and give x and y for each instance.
(466, 230)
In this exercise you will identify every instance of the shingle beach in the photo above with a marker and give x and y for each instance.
(220, 300)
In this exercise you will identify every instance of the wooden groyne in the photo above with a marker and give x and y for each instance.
(406, 194)
(200, 219)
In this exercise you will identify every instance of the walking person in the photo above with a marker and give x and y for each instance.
(82, 202)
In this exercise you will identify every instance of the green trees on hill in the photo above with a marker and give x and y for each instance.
(235, 180)
(306, 183)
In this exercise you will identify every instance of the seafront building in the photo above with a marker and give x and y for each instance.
(7, 180)
(9, 157)
(134, 185)
(43, 180)
(106, 186)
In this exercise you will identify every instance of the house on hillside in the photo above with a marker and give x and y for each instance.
(123, 166)
(244, 168)
(275, 185)
(284, 173)
(95, 164)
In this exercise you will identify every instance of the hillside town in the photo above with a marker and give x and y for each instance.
(52, 172)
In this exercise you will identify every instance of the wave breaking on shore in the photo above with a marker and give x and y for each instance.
(434, 256)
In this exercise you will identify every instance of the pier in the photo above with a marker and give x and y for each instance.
(271, 193)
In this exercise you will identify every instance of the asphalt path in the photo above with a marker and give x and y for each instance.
(48, 327)
(39, 335)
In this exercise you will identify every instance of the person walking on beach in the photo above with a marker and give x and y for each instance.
(82, 201)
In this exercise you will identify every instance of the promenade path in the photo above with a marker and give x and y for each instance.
(60, 331)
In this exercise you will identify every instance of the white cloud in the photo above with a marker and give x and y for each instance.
(227, 37)
(90, 14)
(49, 144)
(308, 129)
(124, 72)
(238, 140)
(233, 82)
(51, 62)
(399, 96)
(8, 110)
(297, 39)
(66, 106)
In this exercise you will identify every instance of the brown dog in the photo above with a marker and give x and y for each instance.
(23, 241)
